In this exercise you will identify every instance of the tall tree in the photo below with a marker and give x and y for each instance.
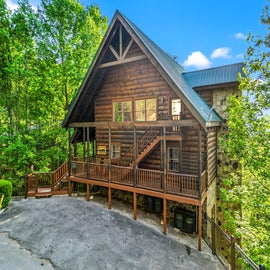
(44, 55)
(249, 142)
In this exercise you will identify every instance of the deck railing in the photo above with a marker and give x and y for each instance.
(49, 180)
(173, 183)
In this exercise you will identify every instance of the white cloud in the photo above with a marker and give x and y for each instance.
(11, 5)
(221, 53)
(240, 55)
(240, 36)
(198, 60)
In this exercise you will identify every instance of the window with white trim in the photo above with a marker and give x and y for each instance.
(115, 151)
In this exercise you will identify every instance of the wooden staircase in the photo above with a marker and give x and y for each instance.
(47, 184)
(145, 144)
(147, 150)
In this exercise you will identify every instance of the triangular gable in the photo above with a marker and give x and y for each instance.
(118, 53)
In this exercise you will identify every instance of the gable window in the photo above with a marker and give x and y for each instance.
(176, 109)
(122, 111)
(145, 109)
(115, 150)
(174, 159)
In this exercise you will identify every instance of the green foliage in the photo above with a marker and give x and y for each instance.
(6, 190)
(44, 55)
(248, 141)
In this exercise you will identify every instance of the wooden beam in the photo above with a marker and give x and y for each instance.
(160, 123)
(120, 41)
(167, 196)
(127, 48)
(122, 61)
(164, 216)
(114, 52)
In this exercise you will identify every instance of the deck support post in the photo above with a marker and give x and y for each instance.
(200, 227)
(164, 216)
(109, 198)
(135, 205)
(87, 192)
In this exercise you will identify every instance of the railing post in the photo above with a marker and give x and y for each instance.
(213, 231)
(232, 253)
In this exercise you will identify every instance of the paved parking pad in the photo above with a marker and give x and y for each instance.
(71, 233)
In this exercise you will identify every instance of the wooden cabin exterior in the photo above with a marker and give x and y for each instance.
(140, 123)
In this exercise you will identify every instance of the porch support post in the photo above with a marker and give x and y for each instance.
(164, 216)
(200, 227)
(69, 162)
(84, 143)
(88, 153)
(135, 205)
(69, 152)
(200, 161)
(109, 159)
(164, 161)
(134, 157)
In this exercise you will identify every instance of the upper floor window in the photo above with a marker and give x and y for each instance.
(176, 109)
(146, 109)
(122, 111)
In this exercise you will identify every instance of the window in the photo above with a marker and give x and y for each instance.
(115, 151)
(173, 159)
(122, 111)
(176, 109)
(146, 109)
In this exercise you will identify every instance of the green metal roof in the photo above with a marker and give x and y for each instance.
(212, 76)
(175, 73)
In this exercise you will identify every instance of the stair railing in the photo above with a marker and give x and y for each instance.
(145, 139)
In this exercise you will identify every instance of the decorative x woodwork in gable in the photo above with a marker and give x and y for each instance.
(122, 49)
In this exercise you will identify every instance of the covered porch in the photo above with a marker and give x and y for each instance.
(181, 187)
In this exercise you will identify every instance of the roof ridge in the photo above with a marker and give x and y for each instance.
(211, 68)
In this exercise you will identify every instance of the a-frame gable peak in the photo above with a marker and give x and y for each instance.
(119, 48)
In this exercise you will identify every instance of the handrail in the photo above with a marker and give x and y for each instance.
(147, 137)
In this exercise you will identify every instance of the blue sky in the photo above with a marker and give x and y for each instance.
(201, 33)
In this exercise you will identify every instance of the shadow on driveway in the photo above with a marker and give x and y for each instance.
(71, 233)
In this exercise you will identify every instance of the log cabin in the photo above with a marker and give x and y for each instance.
(140, 123)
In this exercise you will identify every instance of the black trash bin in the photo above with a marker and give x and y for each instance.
(178, 220)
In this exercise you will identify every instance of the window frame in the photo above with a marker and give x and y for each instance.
(122, 110)
(170, 159)
(115, 145)
(145, 111)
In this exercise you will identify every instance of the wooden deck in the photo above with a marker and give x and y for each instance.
(185, 187)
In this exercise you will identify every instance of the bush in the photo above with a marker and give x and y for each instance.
(6, 190)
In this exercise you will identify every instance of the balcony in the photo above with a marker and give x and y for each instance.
(176, 184)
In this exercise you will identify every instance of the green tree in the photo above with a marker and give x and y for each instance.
(248, 141)
(44, 55)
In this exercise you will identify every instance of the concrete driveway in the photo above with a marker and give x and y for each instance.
(70, 233)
